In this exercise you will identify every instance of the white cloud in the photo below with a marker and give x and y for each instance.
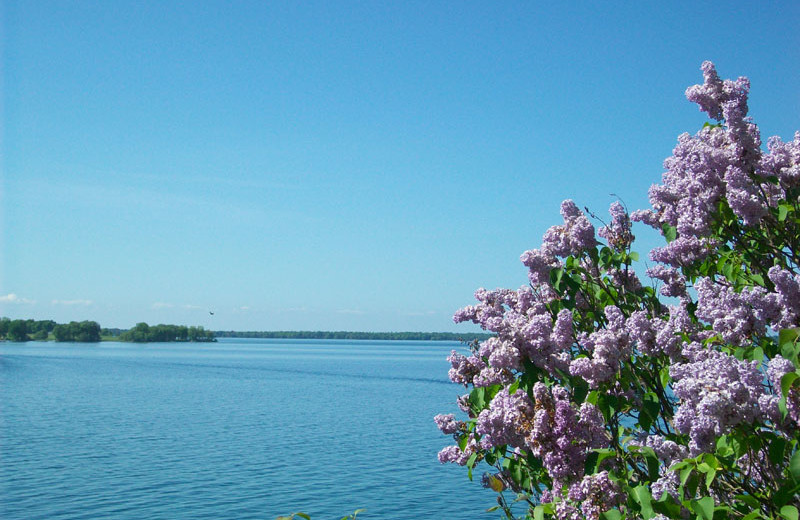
(13, 298)
(192, 307)
(72, 302)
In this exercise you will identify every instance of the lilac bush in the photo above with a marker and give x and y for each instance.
(597, 398)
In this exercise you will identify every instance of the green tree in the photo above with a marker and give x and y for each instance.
(17, 331)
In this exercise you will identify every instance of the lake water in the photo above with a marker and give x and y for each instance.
(240, 429)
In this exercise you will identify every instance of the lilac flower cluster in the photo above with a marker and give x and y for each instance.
(669, 452)
(717, 392)
(715, 164)
(776, 369)
(458, 456)
(618, 232)
(787, 297)
(561, 435)
(506, 421)
(608, 347)
(674, 281)
(525, 329)
(572, 238)
(735, 316)
(596, 494)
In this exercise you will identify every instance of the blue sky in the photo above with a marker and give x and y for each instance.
(338, 165)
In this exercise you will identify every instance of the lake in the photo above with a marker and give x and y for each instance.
(239, 429)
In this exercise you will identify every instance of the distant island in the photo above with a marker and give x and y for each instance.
(91, 332)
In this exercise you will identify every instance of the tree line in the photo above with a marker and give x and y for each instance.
(91, 332)
(42, 330)
(144, 333)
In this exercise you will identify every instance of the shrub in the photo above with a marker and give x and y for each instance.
(600, 395)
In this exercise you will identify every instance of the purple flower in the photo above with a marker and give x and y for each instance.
(737, 317)
(597, 494)
(562, 435)
(575, 236)
(618, 232)
(464, 369)
(717, 392)
(506, 421)
(607, 346)
(447, 423)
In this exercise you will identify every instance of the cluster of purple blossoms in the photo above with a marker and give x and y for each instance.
(669, 453)
(716, 163)
(717, 392)
(572, 238)
(447, 423)
(783, 161)
(787, 297)
(737, 317)
(608, 347)
(674, 281)
(507, 421)
(596, 494)
(525, 329)
(458, 456)
(776, 369)
(618, 232)
(463, 369)
(562, 435)
(539, 265)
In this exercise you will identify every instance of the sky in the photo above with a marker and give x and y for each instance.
(339, 165)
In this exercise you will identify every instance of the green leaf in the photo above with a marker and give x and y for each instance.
(642, 496)
(750, 500)
(651, 407)
(704, 508)
(794, 466)
(685, 474)
(788, 336)
(670, 232)
(710, 475)
(785, 494)
(776, 449)
(613, 514)
(789, 512)
(787, 381)
(783, 211)
(471, 460)
(664, 376)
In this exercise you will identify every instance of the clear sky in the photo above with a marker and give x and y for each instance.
(338, 165)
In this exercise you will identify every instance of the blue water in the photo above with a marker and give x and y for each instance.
(233, 430)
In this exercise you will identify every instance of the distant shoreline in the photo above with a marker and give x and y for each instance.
(387, 336)
(20, 330)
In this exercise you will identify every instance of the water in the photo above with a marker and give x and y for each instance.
(239, 429)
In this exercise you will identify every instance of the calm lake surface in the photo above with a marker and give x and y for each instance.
(237, 429)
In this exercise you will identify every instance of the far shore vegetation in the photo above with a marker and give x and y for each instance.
(90, 332)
